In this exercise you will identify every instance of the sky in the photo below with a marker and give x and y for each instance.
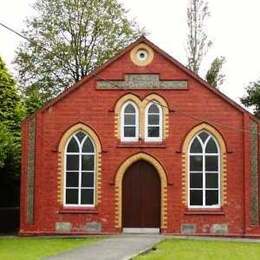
(233, 27)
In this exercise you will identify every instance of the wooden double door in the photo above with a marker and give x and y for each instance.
(141, 196)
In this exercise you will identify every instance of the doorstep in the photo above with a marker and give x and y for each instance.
(141, 230)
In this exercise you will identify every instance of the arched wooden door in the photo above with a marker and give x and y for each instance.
(141, 196)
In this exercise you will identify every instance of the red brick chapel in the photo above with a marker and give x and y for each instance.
(141, 144)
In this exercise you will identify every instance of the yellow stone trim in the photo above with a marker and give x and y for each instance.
(118, 187)
(141, 105)
(61, 156)
(139, 47)
(223, 160)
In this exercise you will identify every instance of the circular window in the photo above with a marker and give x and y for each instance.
(142, 55)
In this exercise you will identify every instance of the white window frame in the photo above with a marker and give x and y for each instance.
(80, 153)
(204, 189)
(146, 125)
(122, 123)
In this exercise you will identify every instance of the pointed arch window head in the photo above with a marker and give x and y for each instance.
(204, 171)
(129, 122)
(153, 122)
(79, 185)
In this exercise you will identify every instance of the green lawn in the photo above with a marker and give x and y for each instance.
(14, 248)
(203, 250)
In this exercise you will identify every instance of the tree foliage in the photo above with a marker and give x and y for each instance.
(9, 98)
(33, 99)
(252, 98)
(11, 114)
(5, 143)
(68, 39)
(214, 76)
(197, 39)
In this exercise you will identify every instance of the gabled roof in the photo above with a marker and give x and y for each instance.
(143, 39)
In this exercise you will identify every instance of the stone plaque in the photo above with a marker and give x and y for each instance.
(142, 81)
(188, 229)
(63, 227)
(219, 229)
(93, 227)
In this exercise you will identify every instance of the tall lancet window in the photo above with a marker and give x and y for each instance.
(80, 157)
(204, 171)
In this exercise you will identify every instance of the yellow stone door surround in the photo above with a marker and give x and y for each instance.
(118, 186)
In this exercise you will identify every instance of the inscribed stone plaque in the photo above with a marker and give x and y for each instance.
(142, 81)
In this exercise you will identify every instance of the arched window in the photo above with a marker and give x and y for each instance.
(153, 122)
(129, 122)
(204, 171)
(79, 184)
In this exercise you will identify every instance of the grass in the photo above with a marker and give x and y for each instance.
(14, 248)
(203, 250)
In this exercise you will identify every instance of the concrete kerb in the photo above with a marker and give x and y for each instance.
(227, 239)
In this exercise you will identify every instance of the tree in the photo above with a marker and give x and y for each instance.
(68, 39)
(252, 99)
(5, 143)
(33, 99)
(9, 98)
(197, 39)
(214, 76)
(11, 114)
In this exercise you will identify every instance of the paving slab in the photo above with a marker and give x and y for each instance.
(121, 247)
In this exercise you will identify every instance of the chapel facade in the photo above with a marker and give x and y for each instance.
(141, 144)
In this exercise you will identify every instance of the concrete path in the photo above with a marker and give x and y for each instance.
(120, 247)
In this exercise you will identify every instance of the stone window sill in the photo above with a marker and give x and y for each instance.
(141, 144)
(204, 212)
(71, 210)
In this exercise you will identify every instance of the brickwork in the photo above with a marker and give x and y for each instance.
(95, 110)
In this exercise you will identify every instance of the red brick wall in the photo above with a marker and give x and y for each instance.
(95, 109)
